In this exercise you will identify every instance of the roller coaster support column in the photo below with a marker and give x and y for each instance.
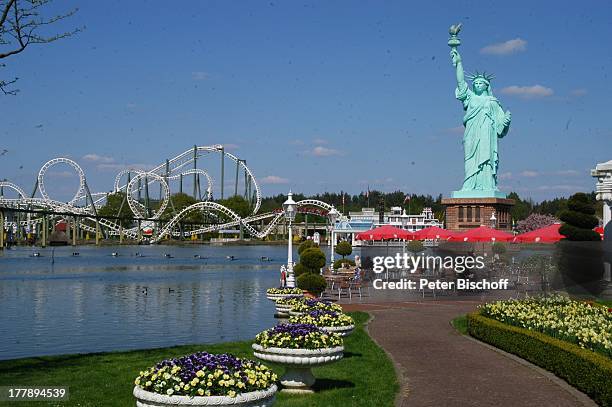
(74, 230)
(97, 232)
(222, 169)
(120, 234)
(45, 226)
(236, 184)
(1, 230)
(195, 175)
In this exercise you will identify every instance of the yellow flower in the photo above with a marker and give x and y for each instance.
(200, 392)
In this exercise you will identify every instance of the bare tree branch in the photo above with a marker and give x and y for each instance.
(20, 23)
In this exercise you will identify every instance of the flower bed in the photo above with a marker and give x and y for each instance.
(586, 325)
(290, 301)
(323, 318)
(297, 336)
(285, 291)
(314, 304)
(205, 374)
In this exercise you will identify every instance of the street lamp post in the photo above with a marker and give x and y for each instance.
(404, 224)
(332, 215)
(290, 209)
(493, 220)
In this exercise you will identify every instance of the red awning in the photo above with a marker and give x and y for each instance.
(482, 234)
(547, 234)
(433, 232)
(385, 232)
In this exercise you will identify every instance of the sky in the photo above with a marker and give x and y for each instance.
(322, 96)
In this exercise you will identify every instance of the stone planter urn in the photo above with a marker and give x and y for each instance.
(298, 377)
(283, 309)
(340, 330)
(261, 398)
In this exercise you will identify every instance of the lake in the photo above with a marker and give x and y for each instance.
(58, 303)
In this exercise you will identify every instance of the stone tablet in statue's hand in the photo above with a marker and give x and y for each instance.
(507, 118)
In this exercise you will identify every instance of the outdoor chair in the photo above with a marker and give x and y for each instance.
(344, 285)
(355, 285)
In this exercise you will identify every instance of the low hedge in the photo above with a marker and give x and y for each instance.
(587, 371)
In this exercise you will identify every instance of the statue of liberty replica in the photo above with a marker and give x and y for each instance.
(485, 122)
(479, 201)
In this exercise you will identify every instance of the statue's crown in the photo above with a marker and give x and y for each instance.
(481, 75)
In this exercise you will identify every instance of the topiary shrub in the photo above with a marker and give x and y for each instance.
(580, 254)
(314, 283)
(415, 246)
(344, 249)
(306, 245)
(579, 219)
(338, 263)
(312, 260)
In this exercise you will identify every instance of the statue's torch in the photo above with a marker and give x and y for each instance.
(454, 40)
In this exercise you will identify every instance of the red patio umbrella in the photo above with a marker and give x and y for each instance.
(600, 230)
(547, 234)
(433, 232)
(482, 234)
(385, 232)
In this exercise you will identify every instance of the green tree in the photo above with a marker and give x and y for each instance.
(117, 206)
(344, 249)
(521, 208)
(237, 204)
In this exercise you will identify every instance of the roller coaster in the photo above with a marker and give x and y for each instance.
(149, 223)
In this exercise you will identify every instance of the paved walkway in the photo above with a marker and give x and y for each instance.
(440, 367)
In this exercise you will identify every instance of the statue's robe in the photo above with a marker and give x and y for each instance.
(484, 123)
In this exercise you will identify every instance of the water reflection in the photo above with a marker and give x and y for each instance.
(58, 303)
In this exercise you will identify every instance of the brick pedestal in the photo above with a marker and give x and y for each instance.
(468, 213)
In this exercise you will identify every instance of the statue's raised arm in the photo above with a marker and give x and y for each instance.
(456, 58)
(454, 42)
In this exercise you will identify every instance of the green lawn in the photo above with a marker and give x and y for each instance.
(364, 377)
(460, 324)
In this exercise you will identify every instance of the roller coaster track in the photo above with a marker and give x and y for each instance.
(138, 180)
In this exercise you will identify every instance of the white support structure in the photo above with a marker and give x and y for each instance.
(603, 189)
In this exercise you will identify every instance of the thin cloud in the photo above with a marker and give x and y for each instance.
(273, 179)
(98, 158)
(320, 141)
(505, 175)
(505, 48)
(529, 174)
(231, 146)
(566, 173)
(320, 151)
(199, 76)
(579, 92)
(528, 92)
(119, 167)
